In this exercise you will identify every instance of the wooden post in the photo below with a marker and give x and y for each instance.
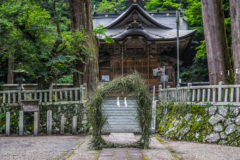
(20, 124)
(62, 124)
(61, 95)
(226, 95)
(8, 124)
(214, 94)
(153, 93)
(193, 96)
(74, 125)
(237, 94)
(66, 95)
(204, 95)
(49, 122)
(71, 95)
(4, 97)
(19, 96)
(56, 96)
(76, 95)
(14, 97)
(40, 97)
(167, 98)
(50, 93)
(232, 94)
(45, 97)
(9, 97)
(36, 118)
(159, 93)
(209, 95)
(220, 91)
(198, 94)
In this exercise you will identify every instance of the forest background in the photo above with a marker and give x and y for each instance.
(37, 37)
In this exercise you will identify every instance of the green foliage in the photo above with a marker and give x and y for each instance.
(100, 31)
(66, 79)
(201, 53)
(130, 84)
(29, 34)
(111, 5)
(162, 5)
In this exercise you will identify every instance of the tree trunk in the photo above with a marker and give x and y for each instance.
(10, 77)
(219, 59)
(81, 18)
(235, 25)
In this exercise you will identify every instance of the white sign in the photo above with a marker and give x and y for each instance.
(105, 78)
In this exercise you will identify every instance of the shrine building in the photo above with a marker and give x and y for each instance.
(142, 41)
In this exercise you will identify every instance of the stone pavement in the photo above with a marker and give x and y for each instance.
(37, 148)
(121, 154)
(77, 148)
(121, 138)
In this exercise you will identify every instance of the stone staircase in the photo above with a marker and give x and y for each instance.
(121, 114)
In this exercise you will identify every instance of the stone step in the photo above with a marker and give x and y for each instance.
(120, 102)
(121, 130)
(120, 98)
(125, 119)
(122, 123)
(119, 109)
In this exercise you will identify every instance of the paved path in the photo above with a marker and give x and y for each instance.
(121, 154)
(37, 148)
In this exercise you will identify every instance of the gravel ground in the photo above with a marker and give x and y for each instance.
(198, 151)
(170, 150)
(76, 148)
(37, 148)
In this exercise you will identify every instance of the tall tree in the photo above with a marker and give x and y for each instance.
(81, 19)
(235, 25)
(10, 76)
(219, 61)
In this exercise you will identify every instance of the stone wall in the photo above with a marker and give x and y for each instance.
(57, 111)
(210, 124)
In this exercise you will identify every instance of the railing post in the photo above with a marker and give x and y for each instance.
(84, 93)
(50, 93)
(237, 94)
(153, 93)
(159, 92)
(189, 85)
(220, 91)
(167, 97)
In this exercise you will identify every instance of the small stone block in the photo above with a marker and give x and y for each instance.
(35, 131)
(20, 123)
(8, 124)
(49, 122)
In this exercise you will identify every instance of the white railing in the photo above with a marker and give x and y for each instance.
(45, 97)
(209, 94)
